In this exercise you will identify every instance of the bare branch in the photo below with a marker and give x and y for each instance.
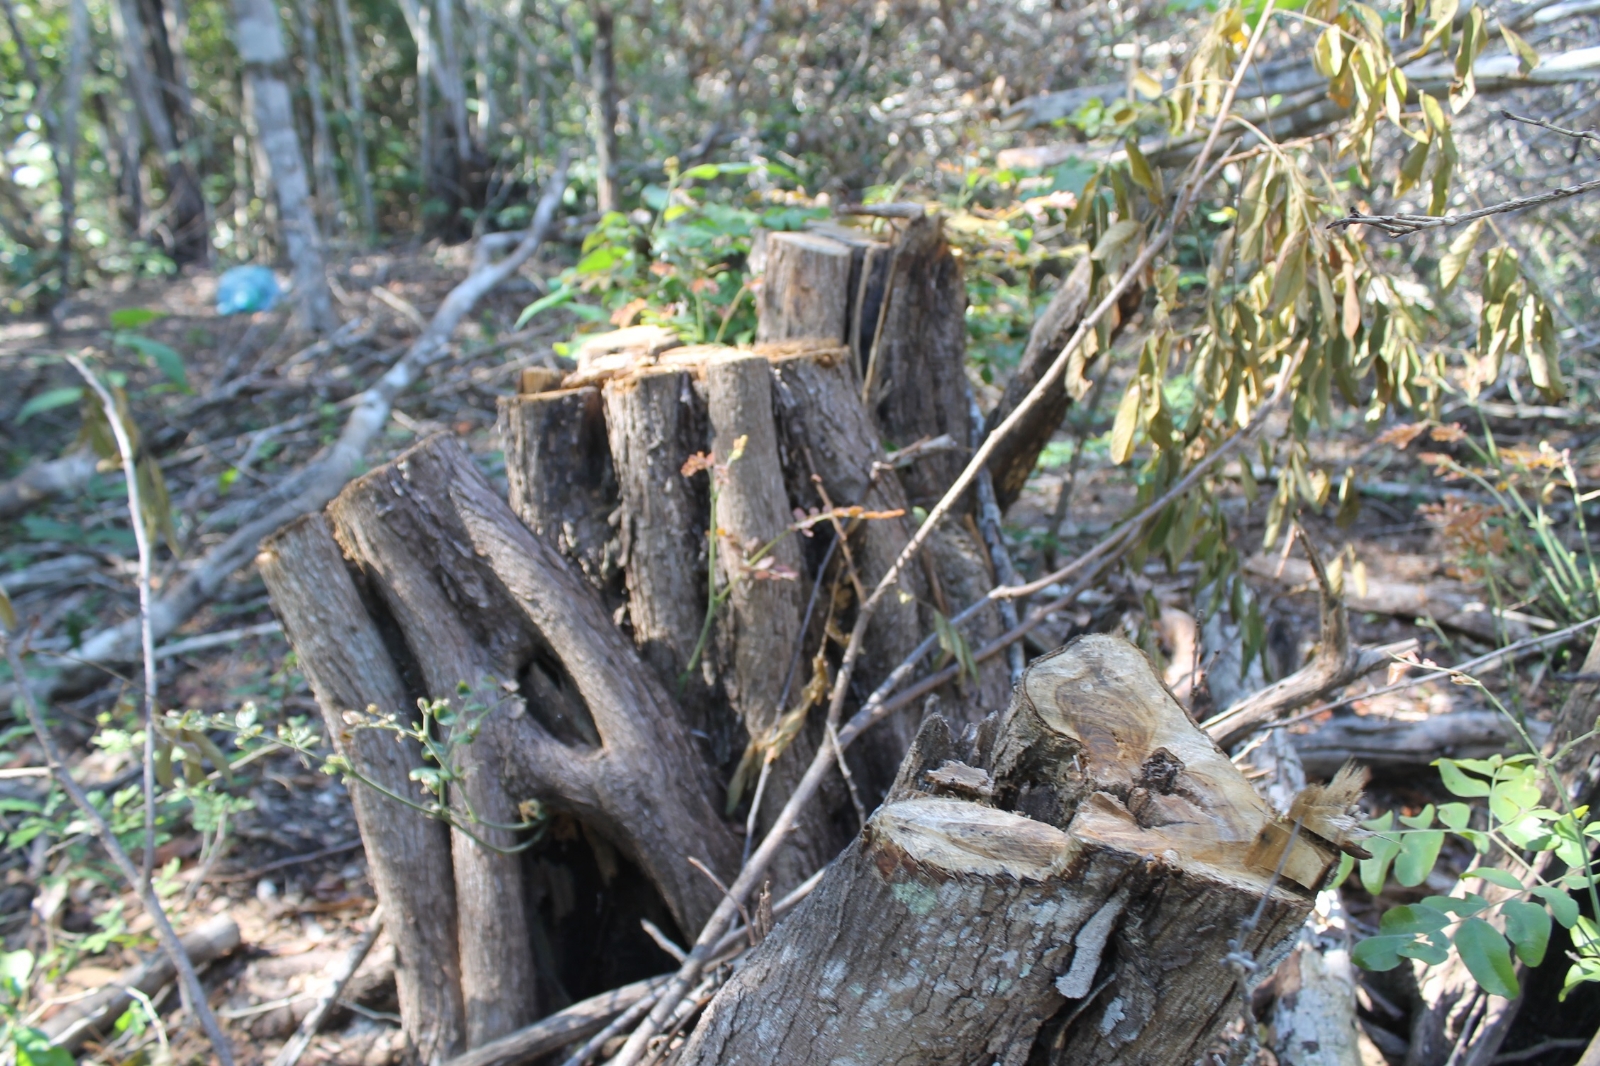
(1582, 135)
(1405, 225)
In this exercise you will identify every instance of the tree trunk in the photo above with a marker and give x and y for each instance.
(1084, 865)
(187, 216)
(348, 662)
(357, 116)
(563, 485)
(603, 75)
(260, 43)
(327, 182)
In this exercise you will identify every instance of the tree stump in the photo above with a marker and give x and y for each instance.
(1066, 885)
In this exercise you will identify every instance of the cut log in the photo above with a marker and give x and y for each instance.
(805, 290)
(761, 631)
(349, 667)
(656, 420)
(563, 486)
(1087, 861)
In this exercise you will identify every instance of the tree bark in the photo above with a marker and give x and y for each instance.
(916, 384)
(603, 75)
(805, 289)
(588, 730)
(357, 117)
(563, 485)
(349, 665)
(260, 44)
(1089, 866)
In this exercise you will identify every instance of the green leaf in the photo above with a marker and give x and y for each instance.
(1459, 783)
(1487, 957)
(1139, 167)
(34, 1049)
(134, 317)
(1503, 878)
(1375, 871)
(1527, 58)
(49, 400)
(1116, 237)
(1418, 852)
(1455, 260)
(1379, 953)
(1411, 919)
(551, 299)
(8, 613)
(1455, 815)
(1563, 906)
(1462, 906)
(1528, 926)
(166, 358)
(1425, 951)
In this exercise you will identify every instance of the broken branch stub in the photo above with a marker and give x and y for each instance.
(1088, 860)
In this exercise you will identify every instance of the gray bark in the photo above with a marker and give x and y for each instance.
(327, 182)
(357, 116)
(260, 42)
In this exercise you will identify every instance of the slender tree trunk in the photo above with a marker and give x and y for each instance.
(71, 108)
(61, 147)
(122, 126)
(327, 182)
(357, 115)
(488, 113)
(603, 72)
(260, 43)
(187, 216)
(453, 85)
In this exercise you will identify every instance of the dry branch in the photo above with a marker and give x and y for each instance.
(1337, 663)
(318, 482)
(43, 481)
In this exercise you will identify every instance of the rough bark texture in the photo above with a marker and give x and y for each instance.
(563, 486)
(656, 420)
(396, 532)
(590, 730)
(1095, 833)
(345, 658)
(916, 383)
(759, 632)
(805, 290)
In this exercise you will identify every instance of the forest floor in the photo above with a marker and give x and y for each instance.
(261, 402)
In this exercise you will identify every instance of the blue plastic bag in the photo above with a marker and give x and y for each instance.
(244, 289)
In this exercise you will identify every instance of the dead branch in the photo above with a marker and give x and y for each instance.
(44, 481)
(1405, 225)
(70, 1027)
(1336, 664)
(318, 482)
(577, 1022)
(297, 1044)
(1581, 135)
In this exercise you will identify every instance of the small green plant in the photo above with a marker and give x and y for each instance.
(680, 261)
(30, 1046)
(1516, 823)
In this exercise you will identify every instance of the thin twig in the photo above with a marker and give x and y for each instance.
(1581, 135)
(633, 1051)
(147, 640)
(194, 993)
(1405, 225)
(301, 1040)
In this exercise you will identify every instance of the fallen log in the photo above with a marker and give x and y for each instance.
(45, 480)
(1069, 882)
(320, 480)
(1385, 743)
(74, 1023)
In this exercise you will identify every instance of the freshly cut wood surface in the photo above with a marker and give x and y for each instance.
(1065, 883)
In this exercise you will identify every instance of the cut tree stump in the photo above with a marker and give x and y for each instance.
(1066, 883)
(346, 659)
